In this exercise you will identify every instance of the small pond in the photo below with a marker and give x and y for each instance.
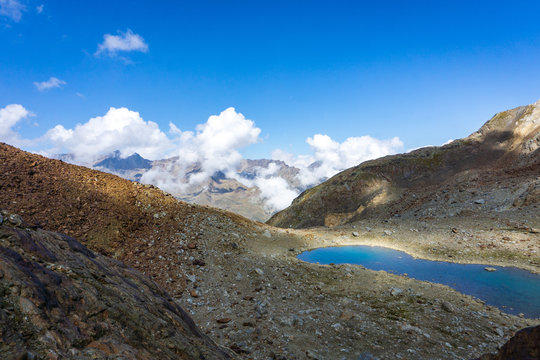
(512, 290)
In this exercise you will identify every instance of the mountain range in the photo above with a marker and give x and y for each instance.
(237, 193)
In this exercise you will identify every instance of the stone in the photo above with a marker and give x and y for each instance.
(479, 201)
(267, 233)
(193, 293)
(490, 269)
(447, 307)
(366, 355)
(198, 262)
(346, 315)
(223, 320)
(355, 233)
(525, 344)
(395, 291)
(16, 220)
(259, 271)
(387, 232)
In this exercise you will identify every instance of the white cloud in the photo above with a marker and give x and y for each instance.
(9, 117)
(214, 147)
(330, 157)
(12, 9)
(125, 41)
(39, 9)
(119, 129)
(49, 84)
(276, 192)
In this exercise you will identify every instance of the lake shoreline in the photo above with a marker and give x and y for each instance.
(495, 286)
(420, 244)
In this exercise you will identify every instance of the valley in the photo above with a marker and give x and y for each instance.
(242, 283)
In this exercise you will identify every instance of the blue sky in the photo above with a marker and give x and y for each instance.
(423, 71)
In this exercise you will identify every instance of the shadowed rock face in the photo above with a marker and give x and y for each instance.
(524, 345)
(60, 300)
(507, 146)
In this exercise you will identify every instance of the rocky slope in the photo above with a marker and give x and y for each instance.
(495, 169)
(60, 300)
(111, 215)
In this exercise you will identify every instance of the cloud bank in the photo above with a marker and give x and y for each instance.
(119, 129)
(123, 42)
(214, 146)
(330, 157)
(195, 156)
(52, 83)
(9, 117)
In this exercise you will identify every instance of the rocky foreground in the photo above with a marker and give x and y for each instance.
(60, 300)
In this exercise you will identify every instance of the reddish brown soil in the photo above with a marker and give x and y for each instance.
(129, 221)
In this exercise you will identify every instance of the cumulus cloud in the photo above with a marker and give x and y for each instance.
(329, 156)
(213, 147)
(9, 117)
(123, 42)
(53, 82)
(12, 9)
(119, 129)
(275, 191)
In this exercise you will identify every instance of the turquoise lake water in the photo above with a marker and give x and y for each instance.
(512, 290)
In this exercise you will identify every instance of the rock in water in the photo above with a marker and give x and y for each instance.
(490, 269)
(61, 300)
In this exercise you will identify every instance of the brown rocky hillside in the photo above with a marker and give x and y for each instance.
(109, 214)
(495, 169)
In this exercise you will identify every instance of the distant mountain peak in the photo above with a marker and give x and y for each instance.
(132, 162)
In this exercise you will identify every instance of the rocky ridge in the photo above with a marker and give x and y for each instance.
(493, 170)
